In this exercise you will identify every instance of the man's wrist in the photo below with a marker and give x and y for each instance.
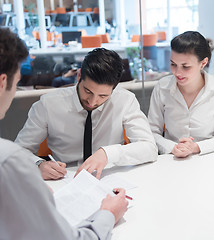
(39, 162)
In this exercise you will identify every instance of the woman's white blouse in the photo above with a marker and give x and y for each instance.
(169, 110)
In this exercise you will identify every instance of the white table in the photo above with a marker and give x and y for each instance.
(174, 200)
(78, 51)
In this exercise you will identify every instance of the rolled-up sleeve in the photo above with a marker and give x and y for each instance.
(142, 147)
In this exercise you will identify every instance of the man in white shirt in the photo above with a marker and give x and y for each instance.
(60, 117)
(27, 209)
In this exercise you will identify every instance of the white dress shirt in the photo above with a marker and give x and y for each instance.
(60, 117)
(168, 108)
(27, 208)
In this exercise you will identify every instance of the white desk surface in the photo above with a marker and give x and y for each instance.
(75, 50)
(174, 199)
(116, 46)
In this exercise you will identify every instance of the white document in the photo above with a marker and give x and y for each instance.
(80, 198)
(111, 180)
(82, 195)
(114, 181)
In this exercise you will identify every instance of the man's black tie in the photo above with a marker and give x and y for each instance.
(87, 137)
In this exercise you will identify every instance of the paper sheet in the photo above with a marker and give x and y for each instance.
(111, 180)
(80, 198)
(82, 195)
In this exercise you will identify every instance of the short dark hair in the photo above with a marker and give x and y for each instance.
(102, 66)
(192, 42)
(12, 52)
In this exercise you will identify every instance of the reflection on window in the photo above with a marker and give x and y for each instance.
(62, 20)
(183, 15)
(81, 21)
(27, 25)
(10, 22)
(2, 20)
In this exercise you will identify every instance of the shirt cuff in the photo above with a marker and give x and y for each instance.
(102, 222)
(112, 152)
(35, 158)
(205, 147)
(103, 214)
(166, 147)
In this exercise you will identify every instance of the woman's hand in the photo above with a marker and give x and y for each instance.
(185, 147)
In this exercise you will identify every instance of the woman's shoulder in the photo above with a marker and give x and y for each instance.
(208, 76)
(209, 82)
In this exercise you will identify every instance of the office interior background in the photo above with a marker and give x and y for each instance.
(171, 16)
(122, 22)
(181, 15)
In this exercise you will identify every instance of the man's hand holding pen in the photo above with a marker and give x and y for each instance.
(52, 170)
(117, 205)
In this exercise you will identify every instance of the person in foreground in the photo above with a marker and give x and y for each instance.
(27, 209)
(181, 108)
(60, 117)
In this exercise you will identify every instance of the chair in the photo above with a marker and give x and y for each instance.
(135, 38)
(44, 150)
(161, 36)
(36, 35)
(50, 36)
(43, 65)
(104, 37)
(88, 10)
(58, 38)
(148, 39)
(48, 11)
(60, 10)
(126, 140)
(149, 47)
(96, 10)
(91, 41)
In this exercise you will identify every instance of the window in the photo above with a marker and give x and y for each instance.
(62, 20)
(3, 20)
(183, 15)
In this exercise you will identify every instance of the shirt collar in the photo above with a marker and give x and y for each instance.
(77, 101)
(173, 85)
(209, 83)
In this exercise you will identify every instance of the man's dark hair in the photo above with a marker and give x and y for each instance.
(12, 52)
(102, 66)
(192, 42)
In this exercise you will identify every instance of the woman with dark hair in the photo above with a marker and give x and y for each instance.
(181, 113)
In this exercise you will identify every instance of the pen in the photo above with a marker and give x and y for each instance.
(116, 192)
(52, 159)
